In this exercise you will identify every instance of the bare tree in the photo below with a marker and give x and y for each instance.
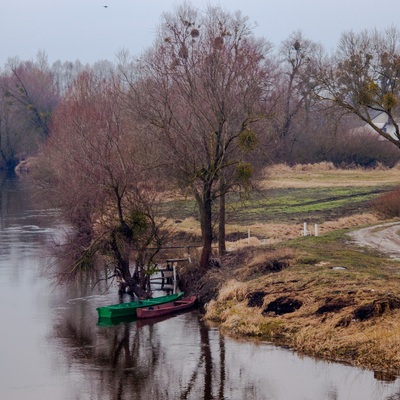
(27, 99)
(294, 93)
(65, 74)
(91, 165)
(10, 132)
(31, 88)
(202, 87)
(362, 78)
(296, 55)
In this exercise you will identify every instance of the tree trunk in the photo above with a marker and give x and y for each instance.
(127, 283)
(221, 230)
(205, 208)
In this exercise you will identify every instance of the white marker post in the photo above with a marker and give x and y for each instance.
(175, 281)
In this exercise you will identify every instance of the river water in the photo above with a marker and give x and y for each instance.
(53, 348)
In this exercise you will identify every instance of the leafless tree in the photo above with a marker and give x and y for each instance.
(294, 92)
(202, 88)
(27, 99)
(65, 73)
(362, 78)
(31, 87)
(91, 165)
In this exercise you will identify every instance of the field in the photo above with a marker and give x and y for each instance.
(323, 296)
(285, 198)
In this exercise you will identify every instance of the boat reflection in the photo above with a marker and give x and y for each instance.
(141, 358)
(107, 322)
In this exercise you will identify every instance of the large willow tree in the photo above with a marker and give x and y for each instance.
(203, 87)
(91, 165)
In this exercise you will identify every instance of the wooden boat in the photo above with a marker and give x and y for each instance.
(166, 308)
(111, 322)
(122, 310)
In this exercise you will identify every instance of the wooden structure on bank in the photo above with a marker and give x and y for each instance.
(168, 278)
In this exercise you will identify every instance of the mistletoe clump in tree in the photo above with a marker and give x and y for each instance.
(203, 89)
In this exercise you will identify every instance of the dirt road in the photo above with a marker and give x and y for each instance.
(384, 237)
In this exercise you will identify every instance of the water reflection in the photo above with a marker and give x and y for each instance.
(181, 358)
(53, 348)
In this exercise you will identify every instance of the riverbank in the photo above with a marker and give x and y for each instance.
(322, 296)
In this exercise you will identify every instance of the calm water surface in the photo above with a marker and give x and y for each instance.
(53, 348)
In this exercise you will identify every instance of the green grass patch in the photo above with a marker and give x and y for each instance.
(298, 205)
(292, 205)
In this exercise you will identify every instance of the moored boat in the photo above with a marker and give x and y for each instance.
(166, 308)
(129, 309)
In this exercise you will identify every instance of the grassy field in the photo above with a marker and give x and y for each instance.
(322, 296)
(297, 205)
(287, 197)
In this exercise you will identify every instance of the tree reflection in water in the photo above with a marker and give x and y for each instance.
(181, 358)
(164, 359)
(222, 367)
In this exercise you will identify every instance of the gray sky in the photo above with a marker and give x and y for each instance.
(85, 30)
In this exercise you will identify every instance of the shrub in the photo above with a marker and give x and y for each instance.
(388, 204)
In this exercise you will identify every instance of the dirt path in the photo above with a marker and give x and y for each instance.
(384, 237)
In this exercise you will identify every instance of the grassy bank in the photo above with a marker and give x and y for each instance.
(322, 296)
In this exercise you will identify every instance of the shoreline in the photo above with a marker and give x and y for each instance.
(324, 297)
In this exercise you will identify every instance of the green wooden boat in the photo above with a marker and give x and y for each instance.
(129, 309)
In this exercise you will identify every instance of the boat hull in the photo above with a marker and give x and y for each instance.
(122, 310)
(166, 308)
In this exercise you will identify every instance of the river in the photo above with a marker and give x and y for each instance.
(53, 348)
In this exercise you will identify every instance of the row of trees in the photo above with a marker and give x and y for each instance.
(196, 112)
(29, 93)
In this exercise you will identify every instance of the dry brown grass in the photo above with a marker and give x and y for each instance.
(349, 222)
(189, 225)
(372, 343)
(231, 312)
(266, 234)
(310, 279)
(325, 174)
(274, 233)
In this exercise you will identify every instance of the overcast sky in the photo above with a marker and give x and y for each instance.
(88, 31)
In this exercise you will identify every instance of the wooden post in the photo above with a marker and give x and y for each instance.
(305, 230)
(316, 229)
(248, 237)
(174, 275)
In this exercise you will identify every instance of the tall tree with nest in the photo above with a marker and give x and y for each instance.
(294, 93)
(203, 87)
